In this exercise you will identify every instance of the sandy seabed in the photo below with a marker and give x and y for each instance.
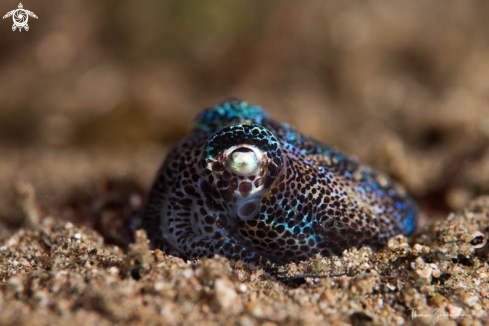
(64, 263)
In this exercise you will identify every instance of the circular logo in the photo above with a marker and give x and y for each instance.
(20, 17)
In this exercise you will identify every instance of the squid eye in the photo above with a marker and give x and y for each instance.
(243, 161)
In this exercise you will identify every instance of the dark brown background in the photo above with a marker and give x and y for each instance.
(98, 90)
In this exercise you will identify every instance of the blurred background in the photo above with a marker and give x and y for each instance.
(92, 96)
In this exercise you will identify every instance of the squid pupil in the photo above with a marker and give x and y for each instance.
(243, 161)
